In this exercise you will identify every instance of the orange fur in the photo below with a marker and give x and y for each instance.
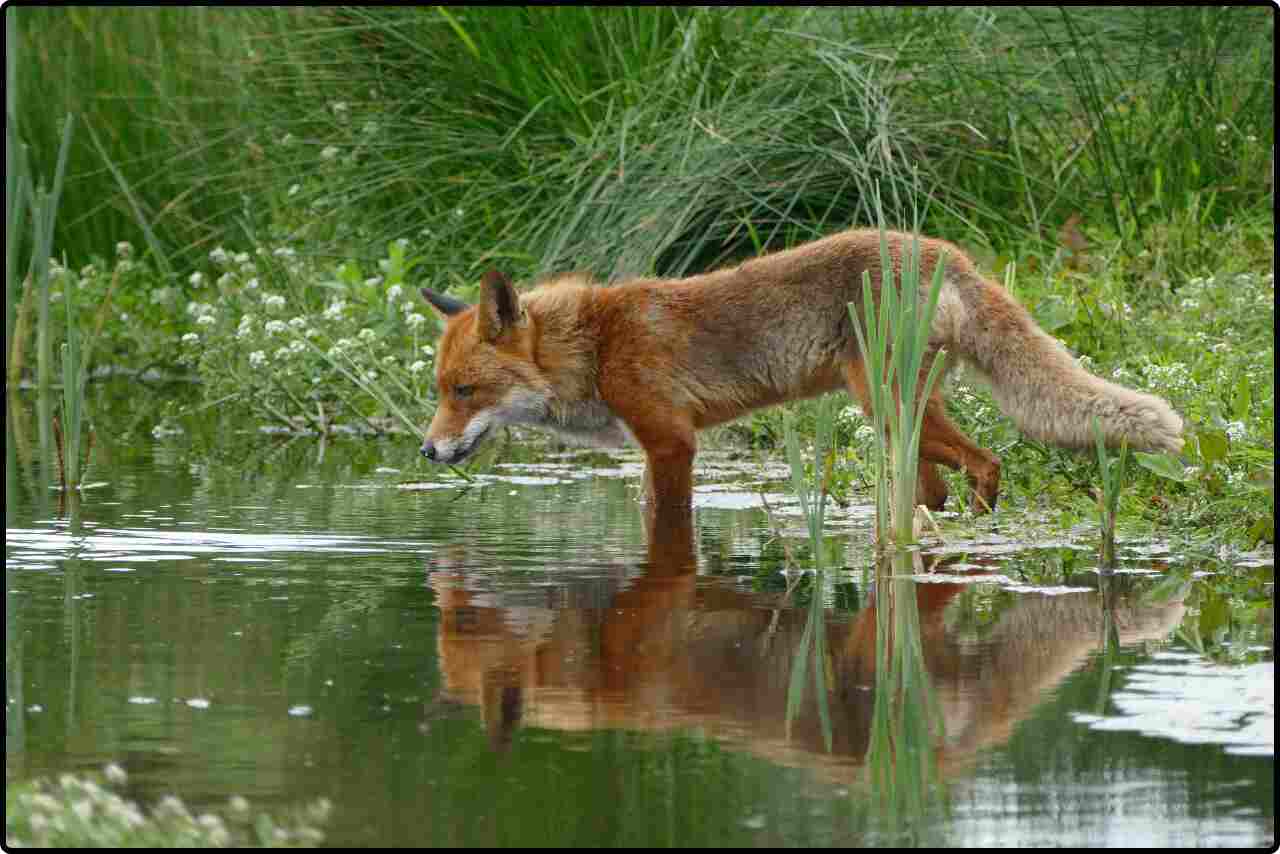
(655, 361)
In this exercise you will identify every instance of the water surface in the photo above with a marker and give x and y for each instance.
(520, 662)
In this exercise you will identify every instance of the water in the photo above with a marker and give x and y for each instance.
(519, 662)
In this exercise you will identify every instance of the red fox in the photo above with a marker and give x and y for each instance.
(653, 361)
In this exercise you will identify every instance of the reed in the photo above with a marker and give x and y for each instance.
(893, 335)
(1111, 474)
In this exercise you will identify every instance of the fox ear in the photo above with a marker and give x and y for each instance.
(500, 310)
(445, 306)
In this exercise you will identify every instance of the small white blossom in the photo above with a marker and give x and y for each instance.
(124, 249)
(415, 320)
(287, 140)
(206, 320)
(373, 281)
(297, 345)
(297, 322)
(417, 367)
(335, 309)
(394, 292)
(274, 301)
(190, 338)
(428, 349)
(274, 327)
(257, 359)
(329, 152)
(219, 255)
(252, 284)
(294, 190)
(284, 252)
(196, 279)
(366, 335)
(115, 774)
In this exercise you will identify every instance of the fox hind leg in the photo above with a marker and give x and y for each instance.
(940, 442)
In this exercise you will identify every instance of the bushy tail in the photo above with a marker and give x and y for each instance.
(1036, 381)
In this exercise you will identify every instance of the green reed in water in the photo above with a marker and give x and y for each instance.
(893, 335)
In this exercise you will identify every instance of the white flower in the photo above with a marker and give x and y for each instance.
(274, 301)
(206, 320)
(115, 774)
(366, 335)
(287, 139)
(274, 327)
(252, 284)
(343, 344)
(190, 338)
(415, 320)
(294, 189)
(417, 367)
(257, 359)
(335, 309)
(428, 349)
(394, 292)
(373, 281)
(297, 322)
(408, 306)
(283, 353)
(219, 255)
(124, 249)
(339, 108)
(1235, 430)
(284, 252)
(329, 152)
(297, 345)
(196, 279)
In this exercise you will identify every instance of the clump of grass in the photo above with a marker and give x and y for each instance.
(893, 337)
(83, 811)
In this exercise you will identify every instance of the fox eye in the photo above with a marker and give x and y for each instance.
(463, 391)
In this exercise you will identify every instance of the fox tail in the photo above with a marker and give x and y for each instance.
(1037, 382)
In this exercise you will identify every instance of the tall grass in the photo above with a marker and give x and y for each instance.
(165, 86)
(629, 141)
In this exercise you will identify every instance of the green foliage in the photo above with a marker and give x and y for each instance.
(310, 345)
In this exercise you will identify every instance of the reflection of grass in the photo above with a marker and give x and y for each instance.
(906, 724)
(813, 502)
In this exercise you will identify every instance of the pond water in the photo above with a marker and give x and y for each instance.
(518, 661)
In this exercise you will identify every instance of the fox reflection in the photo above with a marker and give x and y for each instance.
(667, 649)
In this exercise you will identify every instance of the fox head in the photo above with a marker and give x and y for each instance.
(486, 375)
